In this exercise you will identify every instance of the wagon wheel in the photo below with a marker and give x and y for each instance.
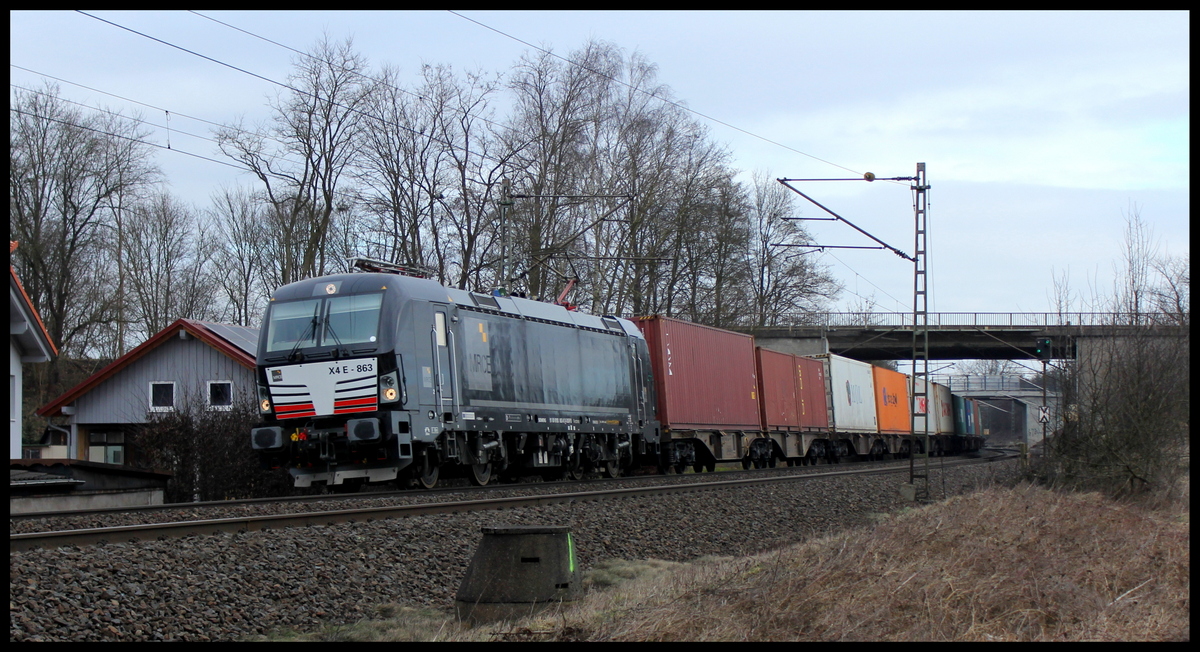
(697, 467)
(610, 469)
(481, 474)
(745, 463)
(428, 476)
(575, 471)
(680, 467)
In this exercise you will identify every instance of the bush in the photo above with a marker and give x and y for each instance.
(209, 453)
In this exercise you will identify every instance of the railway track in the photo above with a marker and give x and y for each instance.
(153, 531)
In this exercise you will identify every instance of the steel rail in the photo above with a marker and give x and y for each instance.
(352, 496)
(133, 533)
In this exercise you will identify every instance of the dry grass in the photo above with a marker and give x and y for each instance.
(1023, 564)
(1018, 564)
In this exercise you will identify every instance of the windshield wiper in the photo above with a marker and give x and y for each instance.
(329, 329)
(311, 326)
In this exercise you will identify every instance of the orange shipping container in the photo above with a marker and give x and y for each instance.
(891, 401)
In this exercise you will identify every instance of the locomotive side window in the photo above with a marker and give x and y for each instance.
(439, 322)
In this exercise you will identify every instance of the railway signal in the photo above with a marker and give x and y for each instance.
(1043, 348)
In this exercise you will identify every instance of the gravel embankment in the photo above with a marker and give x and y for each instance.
(226, 587)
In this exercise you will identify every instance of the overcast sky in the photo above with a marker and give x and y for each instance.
(1039, 130)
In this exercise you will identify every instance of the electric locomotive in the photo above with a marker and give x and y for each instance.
(377, 376)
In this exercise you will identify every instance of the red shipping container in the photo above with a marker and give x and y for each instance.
(811, 392)
(793, 392)
(704, 376)
(777, 378)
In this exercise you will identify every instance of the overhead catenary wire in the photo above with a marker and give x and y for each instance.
(644, 92)
(399, 126)
(390, 123)
(450, 145)
(107, 133)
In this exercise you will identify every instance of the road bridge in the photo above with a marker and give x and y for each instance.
(952, 335)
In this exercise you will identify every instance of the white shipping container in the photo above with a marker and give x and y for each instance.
(941, 406)
(852, 394)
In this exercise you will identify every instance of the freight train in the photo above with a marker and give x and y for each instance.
(376, 377)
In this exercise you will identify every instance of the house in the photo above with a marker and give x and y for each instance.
(189, 363)
(28, 341)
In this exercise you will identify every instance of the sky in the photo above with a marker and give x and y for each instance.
(1040, 131)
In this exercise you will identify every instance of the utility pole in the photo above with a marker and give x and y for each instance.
(919, 478)
(919, 396)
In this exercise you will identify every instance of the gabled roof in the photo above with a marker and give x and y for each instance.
(238, 342)
(34, 341)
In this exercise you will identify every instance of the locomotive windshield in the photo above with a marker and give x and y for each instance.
(325, 321)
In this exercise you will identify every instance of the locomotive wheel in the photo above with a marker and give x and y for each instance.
(609, 469)
(481, 474)
(428, 477)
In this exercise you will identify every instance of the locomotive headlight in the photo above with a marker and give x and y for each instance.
(264, 399)
(389, 387)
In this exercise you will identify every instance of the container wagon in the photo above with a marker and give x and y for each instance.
(892, 413)
(940, 404)
(793, 408)
(854, 422)
(707, 392)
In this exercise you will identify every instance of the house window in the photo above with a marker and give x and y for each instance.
(106, 447)
(162, 397)
(220, 395)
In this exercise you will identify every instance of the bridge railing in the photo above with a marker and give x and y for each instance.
(938, 319)
(974, 382)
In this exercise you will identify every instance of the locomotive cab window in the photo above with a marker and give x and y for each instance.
(352, 319)
(319, 322)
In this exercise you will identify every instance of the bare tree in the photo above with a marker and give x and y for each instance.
(1126, 397)
(170, 256)
(67, 172)
(1172, 296)
(556, 107)
(240, 253)
(783, 278)
(317, 129)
